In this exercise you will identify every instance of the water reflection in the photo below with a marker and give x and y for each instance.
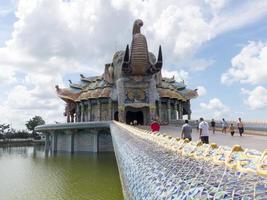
(26, 173)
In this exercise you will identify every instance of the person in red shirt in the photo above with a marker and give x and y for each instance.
(154, 126)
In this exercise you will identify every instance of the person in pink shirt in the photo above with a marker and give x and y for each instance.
(154, 126)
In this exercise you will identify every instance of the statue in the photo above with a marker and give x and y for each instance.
(137, 62)
(69, 111)
(68, 97)
(108, 75)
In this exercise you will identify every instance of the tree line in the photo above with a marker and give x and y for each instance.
(7, 132)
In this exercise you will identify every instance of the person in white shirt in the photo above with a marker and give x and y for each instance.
(204, 131)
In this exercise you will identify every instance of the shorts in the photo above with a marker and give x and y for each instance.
(205, 139)
(241, 130)
(232, 133)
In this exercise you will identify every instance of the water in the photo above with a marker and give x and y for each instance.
(26, 173)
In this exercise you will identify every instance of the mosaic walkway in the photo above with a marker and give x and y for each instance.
(151, 171)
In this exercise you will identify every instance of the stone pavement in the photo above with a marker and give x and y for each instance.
(246, 141)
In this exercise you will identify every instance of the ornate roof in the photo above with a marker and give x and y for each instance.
(96, 87)
(67, 94)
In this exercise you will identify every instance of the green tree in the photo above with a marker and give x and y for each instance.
(35, 121)
(4, 128)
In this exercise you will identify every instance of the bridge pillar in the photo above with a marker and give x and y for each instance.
(53, 141)
(95, 142)
(72, 143)
(47, 142)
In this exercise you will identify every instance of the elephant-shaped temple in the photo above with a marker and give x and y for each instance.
(131, 89)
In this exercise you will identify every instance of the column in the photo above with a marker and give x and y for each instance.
(82, 112)
(121, 99)
(77, 112)
(169, 110)
(89, 108)
(98, 108)
(85, 111)
(180, 110)
(121, 110)
(175, 108)
(159, 106)
(110, 109)
(189, 110)
(152, 109)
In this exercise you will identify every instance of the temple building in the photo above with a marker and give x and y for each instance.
(131, 88)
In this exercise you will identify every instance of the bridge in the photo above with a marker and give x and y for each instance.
(158, 166)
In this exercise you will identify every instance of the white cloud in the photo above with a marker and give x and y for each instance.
(249, 66)
(199, 64)
(215, 107)
(7, 75)
(256, 98)
(23, 103)
(182, 29)
(179, 75)
(201, 90)
(36, 96)
(216, 5)
(50, 40)
(232, 19)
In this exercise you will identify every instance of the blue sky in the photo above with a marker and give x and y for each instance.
(217, 46)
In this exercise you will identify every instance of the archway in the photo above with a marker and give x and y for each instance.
(116, 116)
(138, 116)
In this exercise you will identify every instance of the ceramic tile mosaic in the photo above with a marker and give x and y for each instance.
(154, 166)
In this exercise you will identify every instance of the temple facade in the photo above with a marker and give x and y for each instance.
(131, 88)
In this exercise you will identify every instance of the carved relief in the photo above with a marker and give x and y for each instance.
(136, 95)
(104, 112)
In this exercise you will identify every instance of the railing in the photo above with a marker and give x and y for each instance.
(156, 166)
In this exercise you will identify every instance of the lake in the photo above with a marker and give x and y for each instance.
(27, 173)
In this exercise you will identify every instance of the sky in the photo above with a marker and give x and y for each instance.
(216, 46)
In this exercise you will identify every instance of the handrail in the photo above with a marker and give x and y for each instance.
(243, 160)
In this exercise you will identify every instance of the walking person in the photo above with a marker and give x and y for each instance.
(224, 126)
(232, 129)
(213, 123)
(240, 126)
(204, 131)
(197, 124)
(186, 131)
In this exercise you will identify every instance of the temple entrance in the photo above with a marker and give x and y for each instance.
(116, 116)
(138, 116)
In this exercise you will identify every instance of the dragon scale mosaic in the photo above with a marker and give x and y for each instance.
(149, 170)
